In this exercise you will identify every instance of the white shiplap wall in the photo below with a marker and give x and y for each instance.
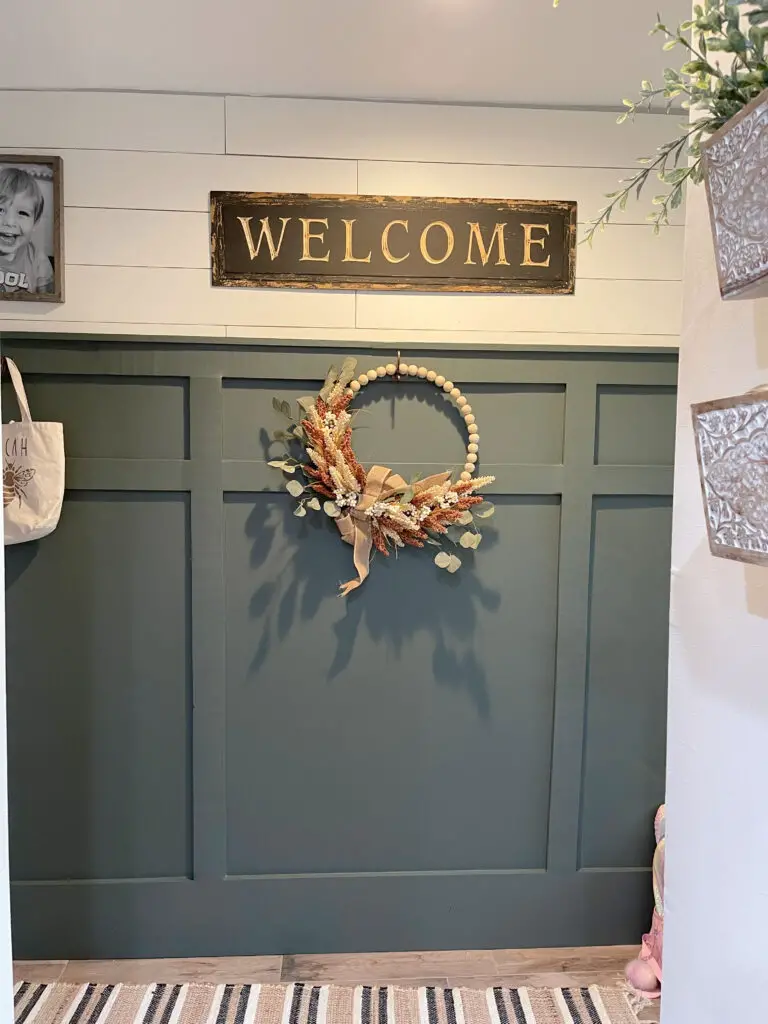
(138, 169)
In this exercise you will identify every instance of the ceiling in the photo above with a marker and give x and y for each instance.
(587, 53)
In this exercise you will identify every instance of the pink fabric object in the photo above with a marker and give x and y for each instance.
(651, 950)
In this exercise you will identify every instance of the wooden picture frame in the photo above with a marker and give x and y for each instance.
(31, 233)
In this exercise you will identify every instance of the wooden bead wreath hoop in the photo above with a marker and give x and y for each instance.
(377, 508)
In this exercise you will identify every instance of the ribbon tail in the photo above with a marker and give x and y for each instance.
(346, 528)
(362, 557)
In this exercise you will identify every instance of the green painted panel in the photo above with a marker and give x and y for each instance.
(636, 425)
(111, 417)
(416, 752)
(409, 729)
(627, 693)
(520, 424)
(99, 692)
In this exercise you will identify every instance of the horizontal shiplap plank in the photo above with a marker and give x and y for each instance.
(584, 185)
(111, 120)
(137, 238)
(183, 181)
(160, 238)
(409, 338)
(349, 338)
(631, 252)
(610, 307)
(44, 326)
(432, 132)
(172, 296)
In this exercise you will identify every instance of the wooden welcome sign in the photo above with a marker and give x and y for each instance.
(261, 239)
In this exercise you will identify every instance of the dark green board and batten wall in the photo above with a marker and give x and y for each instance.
(211, 753)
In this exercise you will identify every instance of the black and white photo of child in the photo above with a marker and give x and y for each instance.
(26, 229)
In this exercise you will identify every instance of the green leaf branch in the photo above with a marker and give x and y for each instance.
(718, 90)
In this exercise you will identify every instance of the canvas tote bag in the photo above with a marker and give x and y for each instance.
(33, 471)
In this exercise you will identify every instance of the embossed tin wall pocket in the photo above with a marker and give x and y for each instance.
(731, 437)
(736, 175)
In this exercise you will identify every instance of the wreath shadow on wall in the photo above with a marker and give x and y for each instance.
(404, 596)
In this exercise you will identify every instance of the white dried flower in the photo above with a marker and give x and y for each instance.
(346, 499)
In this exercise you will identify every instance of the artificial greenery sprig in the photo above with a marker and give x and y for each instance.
(740, 29)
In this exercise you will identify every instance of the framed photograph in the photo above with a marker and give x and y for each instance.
(31, 245)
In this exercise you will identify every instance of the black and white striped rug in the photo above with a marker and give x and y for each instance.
(315, 1004)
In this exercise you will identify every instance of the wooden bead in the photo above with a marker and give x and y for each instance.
(469, 467)
(390, 368)
(381, 371)
(412, 370)
(431, 375)
(439, 380)
(469, 419)
(455, 393)
(472, 448)
(465, 476)
(448, 386)
(363, 379)
(354, 385)
(371, 375)
(402, 368)
(471, 458)
(474, 438)
(422, 371)
(465, 409)
(461, 401)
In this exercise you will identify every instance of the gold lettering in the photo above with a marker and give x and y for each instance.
(307, 235)
(528, 241)
(476, 235)
(448, 237)
(266, 232)
(348, 257)
(385, 242)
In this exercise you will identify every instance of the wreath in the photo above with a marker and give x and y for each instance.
(376, 507)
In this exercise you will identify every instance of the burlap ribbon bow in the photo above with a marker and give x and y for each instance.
(355, 526)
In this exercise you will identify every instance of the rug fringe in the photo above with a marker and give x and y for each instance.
(637, 1001)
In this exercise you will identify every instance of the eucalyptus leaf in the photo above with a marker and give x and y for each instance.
(467, 539)
(486, 513)
(277, 463)
(454, 563)
(330, 380)
(306, 403)
(294, 488)
(314, 503)
(331, 509)
(465, 518)
(300, 511)
(443, 559)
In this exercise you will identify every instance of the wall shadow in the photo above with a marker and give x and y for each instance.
(384, 616)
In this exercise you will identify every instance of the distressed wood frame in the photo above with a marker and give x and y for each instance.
(221, 278)
(57, 166)
(721, 550)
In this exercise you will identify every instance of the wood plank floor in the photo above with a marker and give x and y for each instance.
(535, 968)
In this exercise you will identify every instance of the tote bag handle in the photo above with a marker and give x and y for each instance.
(18, 387)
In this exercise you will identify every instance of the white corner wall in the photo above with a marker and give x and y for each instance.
(138, 168)
(716, 898)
